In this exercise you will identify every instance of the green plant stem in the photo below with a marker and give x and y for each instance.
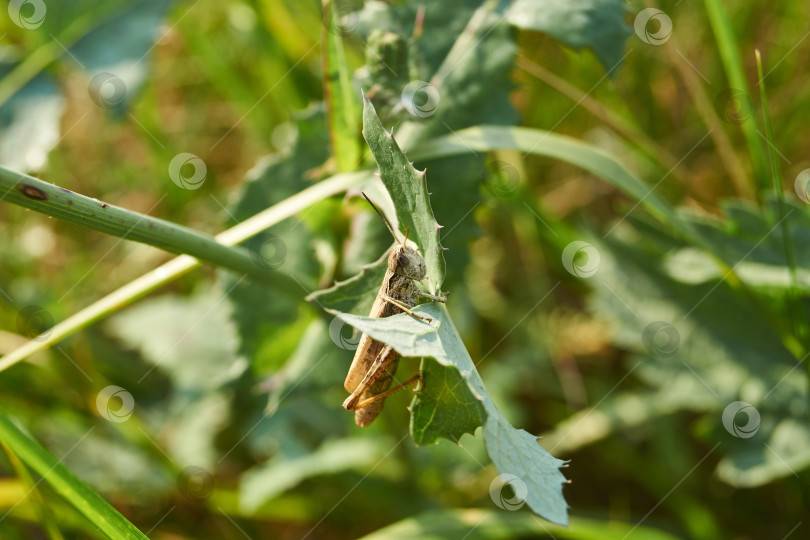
(182, 265)
(61, 203)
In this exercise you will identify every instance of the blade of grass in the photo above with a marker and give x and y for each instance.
(799, 316)
(342, 111)
(30, 192)
(180, 266)
(44, 517)
(732, 64)
(65, 483)
(570, 150)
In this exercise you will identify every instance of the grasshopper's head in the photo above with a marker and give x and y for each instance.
(407, 262)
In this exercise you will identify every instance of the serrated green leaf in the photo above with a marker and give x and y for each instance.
(597, 24)
(513, 451)
(356, 294)
(408, 189)
(465, 53)
(447, 410)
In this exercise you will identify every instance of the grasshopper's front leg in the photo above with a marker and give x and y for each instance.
(441, 299)
(406, 308)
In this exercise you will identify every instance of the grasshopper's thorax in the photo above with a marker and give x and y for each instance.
(406, 262)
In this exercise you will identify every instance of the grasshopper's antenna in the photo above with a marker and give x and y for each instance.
(407, 233)
(387, 224)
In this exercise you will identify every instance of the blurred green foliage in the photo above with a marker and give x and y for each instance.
(627, 354)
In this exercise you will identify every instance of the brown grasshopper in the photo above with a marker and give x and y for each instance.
(375, 363)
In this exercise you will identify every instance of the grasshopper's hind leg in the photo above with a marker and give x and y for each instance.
(382, 366)
(397, 388)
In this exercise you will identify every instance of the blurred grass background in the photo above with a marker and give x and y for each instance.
(222, 80)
